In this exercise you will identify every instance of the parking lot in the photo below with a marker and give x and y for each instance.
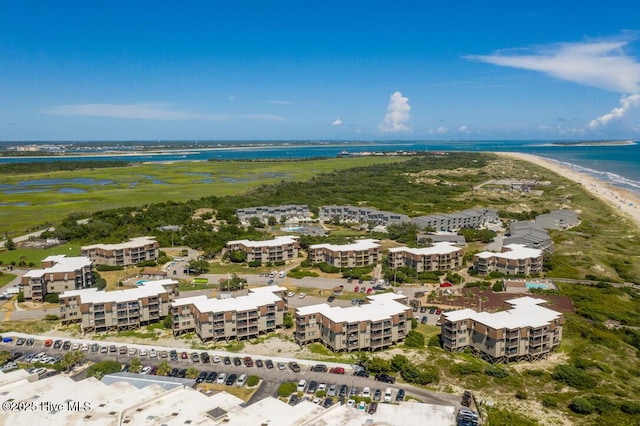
(273, 371)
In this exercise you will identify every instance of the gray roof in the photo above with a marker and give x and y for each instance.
(143, 380)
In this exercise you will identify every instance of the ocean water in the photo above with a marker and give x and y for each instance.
(616, 164)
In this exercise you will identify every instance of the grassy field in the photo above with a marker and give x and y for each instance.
(6, 278)
(30, 255)
(150, 183)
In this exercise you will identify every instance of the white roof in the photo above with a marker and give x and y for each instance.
(146, 289)
(257, 297)
(277, 241)
(526, 312)
(132, 243)
(63, 264)
(380, 307)
(515, 252)
(365, 244)
(444, 247)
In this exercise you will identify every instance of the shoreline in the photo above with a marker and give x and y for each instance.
(622, 200)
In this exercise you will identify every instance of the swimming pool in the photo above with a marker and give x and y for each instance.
(140, 282)
(542, 286)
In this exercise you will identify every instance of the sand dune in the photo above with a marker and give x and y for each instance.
(624, 201)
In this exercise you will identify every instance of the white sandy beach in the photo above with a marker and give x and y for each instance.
(623, 201)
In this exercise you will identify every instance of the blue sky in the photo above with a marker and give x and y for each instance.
(242, 70)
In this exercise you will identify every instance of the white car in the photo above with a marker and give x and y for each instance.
(302, 295)
(333, 389)
(222, 378)
(75, 346)
(388, 395)
(216, 359)
(291, 294)
(146, 370)
(143, 352)
(241, 380)
(351, 403)
(85, 347)
(132, 351)
(153, 353)
(322, 387)
(366, 392)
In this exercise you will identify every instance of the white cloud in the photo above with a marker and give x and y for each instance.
(464, 129)
(601, 64)
(626, 103)
(337, 122)
(147, 112)
(397, 116)
(129, 111)
(439, 131)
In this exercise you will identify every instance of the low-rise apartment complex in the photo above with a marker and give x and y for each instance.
(452, 222)
(57, 274)
(278, 249)
(529, 234)
(360, 253)
(259, 312)
(381, 322)
(135, 250)
(361, 215)
(523, 331)
(515, 259)
(442, 256)
(286, 212)
(98, 310)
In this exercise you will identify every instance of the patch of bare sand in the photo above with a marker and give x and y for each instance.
(279, 345)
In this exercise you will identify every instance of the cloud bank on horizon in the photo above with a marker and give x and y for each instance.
(599, 64)
(396, 119)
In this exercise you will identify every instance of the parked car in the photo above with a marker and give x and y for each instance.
(20, 341)
(153, 353)
(195, 357)
(328, 403)
(227, 360)
(268, 363)
(438, 311)
(204, 356)
(293, 400)
(94, 348)
(237, 361)
(319, 368)
(67, 345)
(281, 366)
(248, 362)
(231, 379)
(143, 352)
(122, 350)
(366, 392)
(337, 370)
(302, 385)
(222, 378)
(342, 392)
(103, 349)
(331, 299)
(47, 343)
(313, 387)
(201, 377)
(333, 390)
(294, 367)
(211, 377)
(57, 344)
(183, 355)
(216, 359)
(30, 342)
(377, 395)
(259, 363)
(385, 378)
(291, 294)
(362, 406)
(361, 373)
(388, 395)
(302, 295)
(145, 370)
(466, 399)
(113, 349)
(400, 395)
(373, 407)
(424, 320)
(173, 355)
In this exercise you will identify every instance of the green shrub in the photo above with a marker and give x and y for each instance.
(255, 264)
(287, 320)
(109, 268)
(434, 341)
(414, 340)
(20, 297)
(534, 373)
(574, 377)
(286, 389)
(253, 381)
(549, 401)
(52, 298)
(51, 317)
(495, 371)
(498, 287)
(465, 368)
(327, 269)
(521, 394)
(100, 369)
(630, 407)
(146, 263)
(602, 404)
(581, 406)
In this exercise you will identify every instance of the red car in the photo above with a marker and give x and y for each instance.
(184, 355)
(337, 370)
(369, 290)
(446, 284)
(356, 290)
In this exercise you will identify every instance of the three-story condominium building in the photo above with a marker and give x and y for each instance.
(259, 312)
(523, 331)
(451, 222)
(361, 215)
(513, 260)
(57, 274)
(263, 213)
(381, 322)
(443, 256)
(135, 250)
(98, 310)
(278, 249)
(360, 253)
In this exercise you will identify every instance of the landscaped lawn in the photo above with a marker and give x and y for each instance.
(31, 255)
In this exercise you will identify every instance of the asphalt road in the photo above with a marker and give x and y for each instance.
(272, 378)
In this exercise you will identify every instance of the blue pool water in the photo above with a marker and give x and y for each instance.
(542, 286)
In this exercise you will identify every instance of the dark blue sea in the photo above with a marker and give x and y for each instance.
(616, 164)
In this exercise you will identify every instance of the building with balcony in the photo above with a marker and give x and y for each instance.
(135, 250)
(361, 215)
(452, 222)
(359, 253)
(57, 274)
(279, 249)
(530, 235)
(523, 331)
(515, 259)
(295, 212)
(99, 311)
(259, 312)
(442, 256)
(382, 321)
